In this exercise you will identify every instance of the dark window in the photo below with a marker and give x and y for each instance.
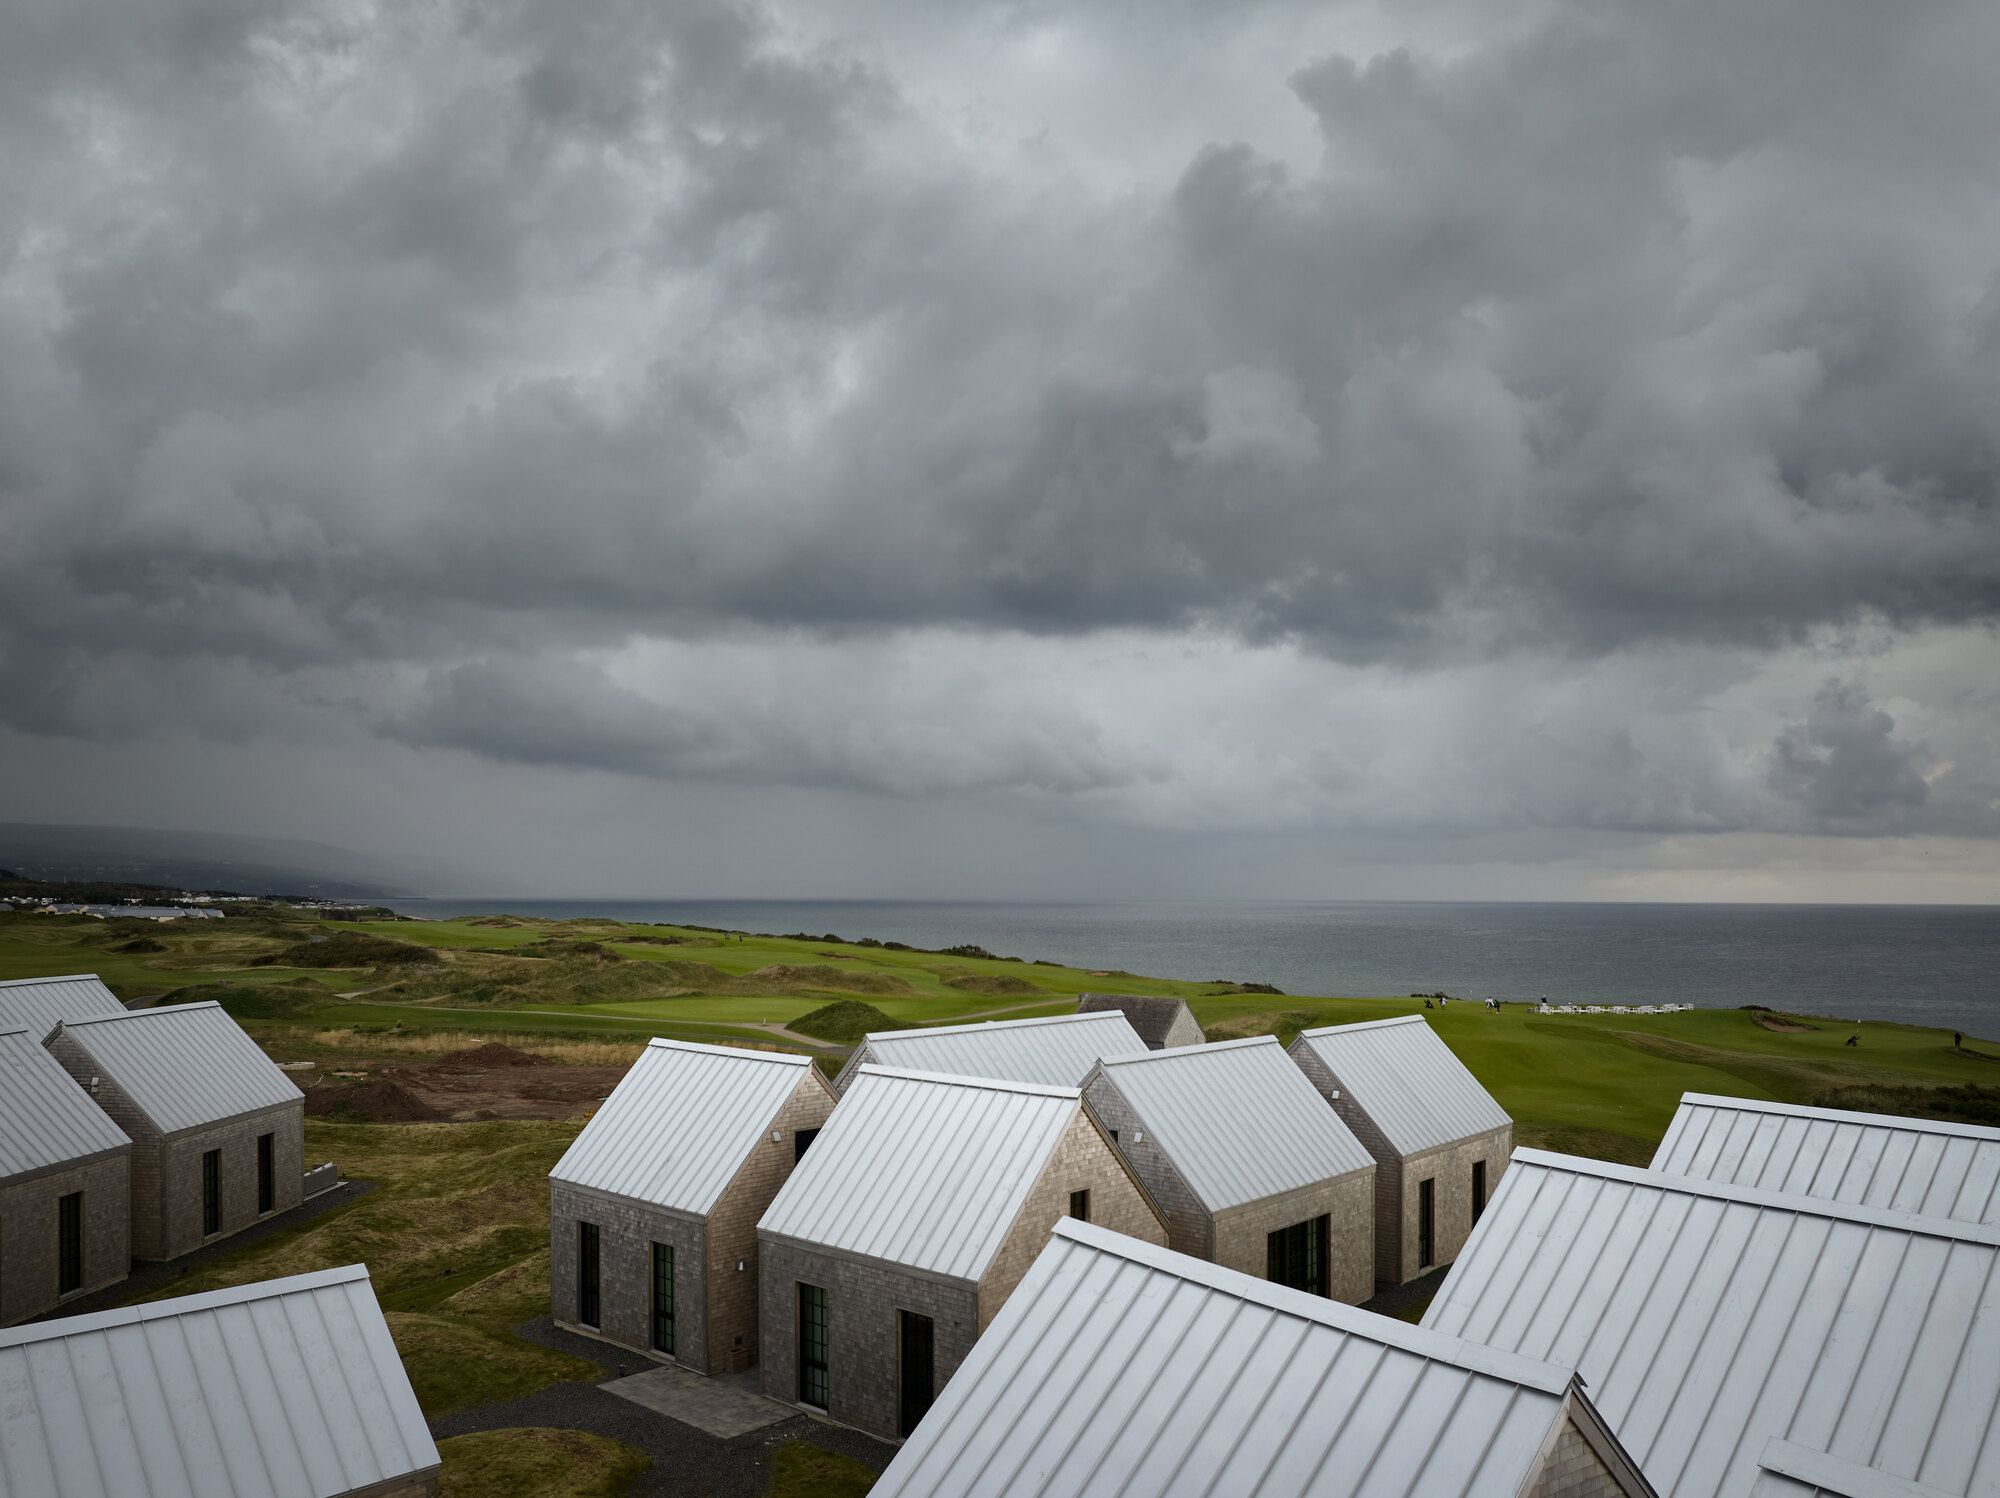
(1426, 1223)
(1296, 1256)
(69, 1243)
(267, 1186)
(211, 1192)
(801, 1142)
(1114, 1136)
(1478, 1188)
(918, 1338)
(1079, 1205)
(812, 1345)
(663, 1298)
(588, 1274)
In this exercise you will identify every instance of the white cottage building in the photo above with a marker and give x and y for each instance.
(65, 1185)
(904, 1230)
(1056, 1050)
(1744, 1341)
(1121, 1367)
(288, 1388)
(1904, 1164)
(1439, 1138)
(1252, 1168)
(653, 1210)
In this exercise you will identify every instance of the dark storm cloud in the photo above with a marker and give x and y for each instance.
(442, 339)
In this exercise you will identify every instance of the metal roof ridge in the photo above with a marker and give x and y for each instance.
(1185, 1052)
(162, 1310)
(99, 1019)
(16, 1030)
(991, 1084)
(1363, 1024)
(992, 1024)
(788, 1058)
(1440, 1347)
(1839, 1475)
(1986, 1234)
(59, 978)
(1844, 1115)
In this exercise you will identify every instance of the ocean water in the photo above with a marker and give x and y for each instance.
(1921, 965)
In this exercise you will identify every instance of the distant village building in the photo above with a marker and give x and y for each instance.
(1918, 1165)
(218, 1132)
(1162, 1022)
(1745, 1343)
(1252, 1168)
(1056, 1050)
(1120, 1367)
(39, 1004)
(653, 1210)
(65, 1186)
(288, 1388)
(1439, 1138)
(908, 1225)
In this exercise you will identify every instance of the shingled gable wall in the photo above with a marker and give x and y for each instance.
(715, 1304)
(29, 1227)
(1242, 1233)
(166, 1172)
(863, 1295)
(1190, 1230)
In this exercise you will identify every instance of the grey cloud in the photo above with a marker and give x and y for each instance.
(1843, 764)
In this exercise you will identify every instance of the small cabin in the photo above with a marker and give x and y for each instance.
(1162, 1022)
(1055, 1050)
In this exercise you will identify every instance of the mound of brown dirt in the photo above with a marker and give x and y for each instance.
(492, 1056)
(378, 1101)
(1782, 1026)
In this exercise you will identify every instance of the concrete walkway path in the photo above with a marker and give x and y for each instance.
(726, 1405)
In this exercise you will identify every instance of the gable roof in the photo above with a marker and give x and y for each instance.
(37, 1004)
(1239, 1121)
(1118, 1366)
(286, 1389)
(183, 1065)
(680, 1124)
(1152, 1015)
(1056, 1050)
(921, 1170)
(1708, 1319)
(1906, 1164)
(1407, 1080)
(46, 1120)
(1794, 1471)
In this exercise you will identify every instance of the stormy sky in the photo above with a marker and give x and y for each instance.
(1089, 450)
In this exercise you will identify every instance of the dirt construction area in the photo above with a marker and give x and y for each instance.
(487, 1081)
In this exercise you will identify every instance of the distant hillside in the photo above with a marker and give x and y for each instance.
(196, 861)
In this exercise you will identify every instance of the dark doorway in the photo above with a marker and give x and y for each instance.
(918, 1336)
(267, 1181)
(211, 1193)
(663, 1298)
(69, 1243)
(812, 1345)
(1478, 1188)
(1426, 1223)
(801, 1142)
(589, 1280)
(1296, 1255)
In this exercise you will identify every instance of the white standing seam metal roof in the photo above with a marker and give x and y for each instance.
(1407, 1080)
(286, 1389)
(1709, 1319)
(37, 1004)
(678, 1127)
(183, 1065)
(921, 1170)
(1121, 1368)
(46, 1120)
(1057, 1050)
(1905, 1164)
(1238, 1119)
(1794, 1471)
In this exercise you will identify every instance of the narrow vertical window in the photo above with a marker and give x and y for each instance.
(211, 1193)
(1478, 1188)
(267, 1183)
(663, 1298)
(1079, 1205)
(1426, 1223)
(801, 1142)
(917, 1341)
(812, 1345)
(69, 1243)
(588, 1282)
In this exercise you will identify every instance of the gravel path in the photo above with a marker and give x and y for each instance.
(686, 1462)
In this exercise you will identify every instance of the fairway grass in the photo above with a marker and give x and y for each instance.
(537, 1462)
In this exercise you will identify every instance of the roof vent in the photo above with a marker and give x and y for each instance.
(93, 1086)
